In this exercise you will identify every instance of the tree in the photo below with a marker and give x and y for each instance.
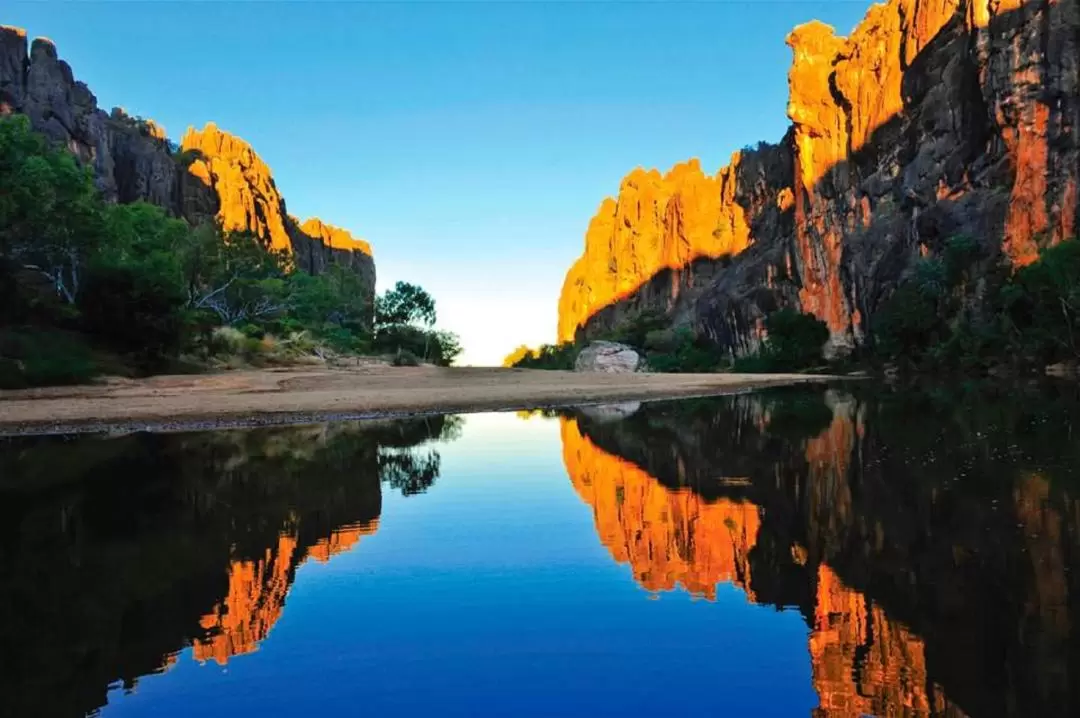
(405, 304)
(1042, 305)
(50, 213)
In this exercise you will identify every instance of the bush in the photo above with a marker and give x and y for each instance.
(132, 315)
(31, 356)
(547, 356)
(227, 340)
(680, 350)
(404, 357)
(794, 341)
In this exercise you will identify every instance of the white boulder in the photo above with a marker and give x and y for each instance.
(610, 358)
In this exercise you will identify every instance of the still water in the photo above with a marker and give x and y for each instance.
(811, 552)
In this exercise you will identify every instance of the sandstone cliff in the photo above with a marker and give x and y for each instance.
(931, 119)
(213, 175)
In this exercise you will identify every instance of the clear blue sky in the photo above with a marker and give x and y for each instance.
(470, 143)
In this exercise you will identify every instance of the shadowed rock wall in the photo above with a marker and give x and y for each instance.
(931, 119)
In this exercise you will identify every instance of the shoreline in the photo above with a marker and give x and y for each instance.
(304, 395)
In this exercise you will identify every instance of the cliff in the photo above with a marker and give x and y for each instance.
(931, 119)
(213, 175)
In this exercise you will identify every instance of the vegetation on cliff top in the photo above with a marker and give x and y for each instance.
(88, 287)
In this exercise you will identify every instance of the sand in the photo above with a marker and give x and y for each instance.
(306, 394)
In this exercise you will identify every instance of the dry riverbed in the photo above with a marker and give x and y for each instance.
(307, 394)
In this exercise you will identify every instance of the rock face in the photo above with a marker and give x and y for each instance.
(215, 176)
(248, 200)
(609, 358)
(932, 119)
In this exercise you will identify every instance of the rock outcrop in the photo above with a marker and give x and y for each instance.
(931, 119)
(213, 175)
(608, 358)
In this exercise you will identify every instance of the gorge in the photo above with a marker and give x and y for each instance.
(211, 176)
(932, 119)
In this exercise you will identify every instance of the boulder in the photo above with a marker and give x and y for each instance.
(609, 358)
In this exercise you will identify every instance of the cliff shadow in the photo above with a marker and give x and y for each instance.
(993, 162)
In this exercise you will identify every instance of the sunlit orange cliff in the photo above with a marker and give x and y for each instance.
(212, 175)
(930, 119)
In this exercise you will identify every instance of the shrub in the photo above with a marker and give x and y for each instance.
(227, 340)
(132, 315)
(794, 342)
(32, 356)
(549, 356)
(680, 350)
(404, 357)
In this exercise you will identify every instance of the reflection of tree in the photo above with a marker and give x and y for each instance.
(117, 553)
(408, 470)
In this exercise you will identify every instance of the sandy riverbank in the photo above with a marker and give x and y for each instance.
(305, 394)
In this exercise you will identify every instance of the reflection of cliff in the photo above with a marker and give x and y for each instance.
(668, 537)
(865, 663)
(933, 566)
(257, 590)
(118, 553)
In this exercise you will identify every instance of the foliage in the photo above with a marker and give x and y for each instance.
(515, 357)
(680, 350)
(635, 329)
(50, 214)
(793, 342)
(32, 356)
(131, 282)
(133, 314)
(1041, 306)
(549, 356)
(1030, 318)
(404, 322)
(404, 357)
(405, 304)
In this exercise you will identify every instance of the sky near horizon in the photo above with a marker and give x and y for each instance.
(469, 142)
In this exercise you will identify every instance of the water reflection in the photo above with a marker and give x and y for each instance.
(927, 539)
(116, 553)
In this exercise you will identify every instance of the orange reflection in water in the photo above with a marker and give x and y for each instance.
(669, 538)
(257, 591)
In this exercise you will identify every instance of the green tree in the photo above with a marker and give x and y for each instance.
(1042, 305)
(50, 213)
(405, 304)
